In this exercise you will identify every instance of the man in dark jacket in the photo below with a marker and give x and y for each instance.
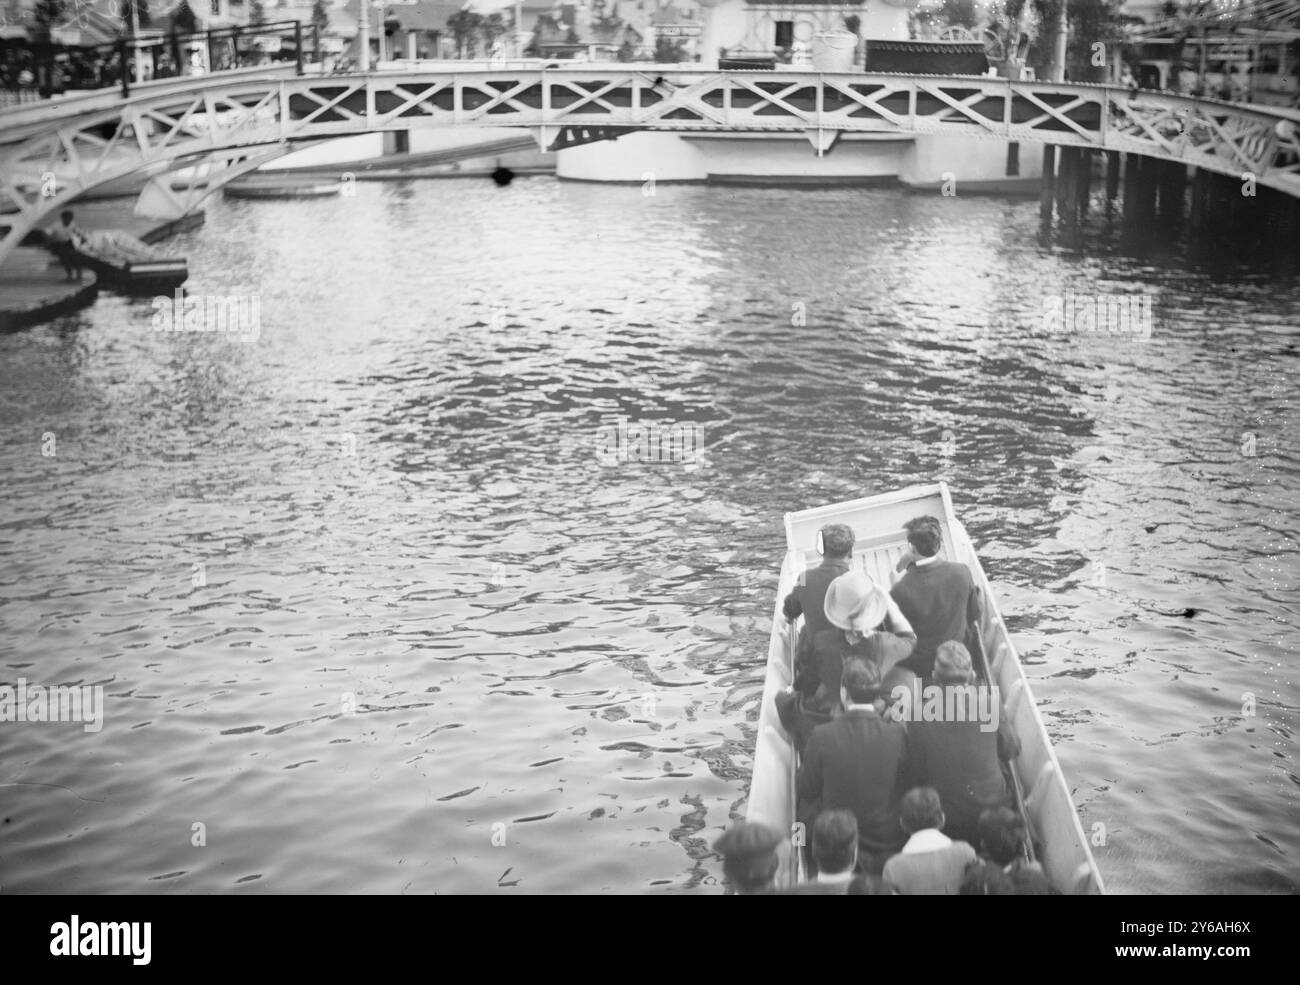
(855, 762)
(808, 596)
(961, 757)
(937, 597)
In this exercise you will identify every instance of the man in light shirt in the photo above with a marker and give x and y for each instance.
(930, 864)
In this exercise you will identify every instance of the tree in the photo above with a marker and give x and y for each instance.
(493, 26)
(959, 13)
(464, 25)
(320, 16)
(49, 13)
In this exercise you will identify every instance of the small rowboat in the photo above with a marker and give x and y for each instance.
(1041, 791)
(281, 188)
(131, 265)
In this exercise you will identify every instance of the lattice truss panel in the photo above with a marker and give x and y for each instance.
(45, 165)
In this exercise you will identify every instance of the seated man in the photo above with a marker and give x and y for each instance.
(937, 597)
(866, 625)
(930, 864)
(807, 598)
(854, 762)
(749, 857)
(835, 855)
(1002, 839)
(960, 758)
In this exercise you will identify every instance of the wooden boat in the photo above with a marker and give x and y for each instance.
(126, 263)
(281, 188)
(1041, 789)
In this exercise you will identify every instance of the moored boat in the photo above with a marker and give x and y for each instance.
(1041, 791)
(282, 188)
(126, 263)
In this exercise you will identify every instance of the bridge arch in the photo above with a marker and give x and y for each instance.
(241, 116)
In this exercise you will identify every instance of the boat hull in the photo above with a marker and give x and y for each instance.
(878, 525)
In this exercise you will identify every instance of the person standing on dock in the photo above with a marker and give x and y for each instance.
(64, 239)
(938, 597)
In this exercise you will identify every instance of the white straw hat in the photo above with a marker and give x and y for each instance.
(854, 601)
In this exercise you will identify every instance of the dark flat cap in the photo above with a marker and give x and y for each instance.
(748, 839)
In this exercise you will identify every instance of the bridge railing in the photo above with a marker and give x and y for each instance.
(35, 71)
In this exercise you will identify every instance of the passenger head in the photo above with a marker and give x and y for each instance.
(749, 857)
(1002, 835)
(925, 534)
(835, 841)
(952, 664)
(921, 810)
(66, 216)
(860, 683)
(855, 602)
(837, 540)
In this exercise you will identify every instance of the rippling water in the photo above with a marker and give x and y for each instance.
(554, 667)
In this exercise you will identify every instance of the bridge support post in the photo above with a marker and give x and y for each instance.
(1048, 190)
(1130, 188)
(1067, 182)
(1112, 179)
(1083, 180)
(1172, 191)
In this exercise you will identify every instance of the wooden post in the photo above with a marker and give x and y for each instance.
(1198, 199)
(1048, 190)
(297, 42)
(1173, 191)
(1067, 203)
(1083, 180)
(1112, 179)
(1132, 166)
(126, 70)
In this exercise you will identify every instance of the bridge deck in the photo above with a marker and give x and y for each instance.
(238, 120)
